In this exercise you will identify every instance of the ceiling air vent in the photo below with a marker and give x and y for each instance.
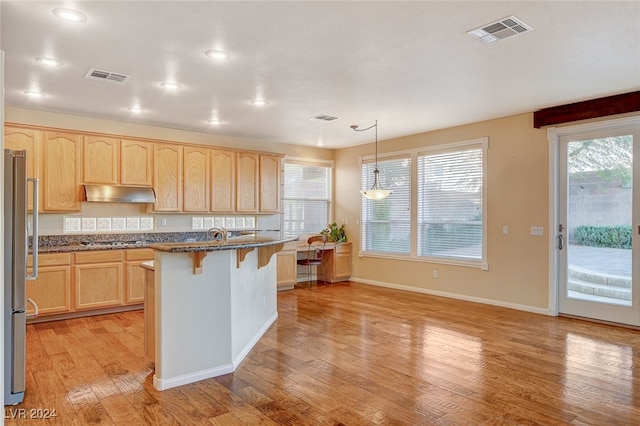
(499, 30)
(322, 117)
(108, 76)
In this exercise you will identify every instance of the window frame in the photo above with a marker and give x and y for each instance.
(483, 144)
(329, 201)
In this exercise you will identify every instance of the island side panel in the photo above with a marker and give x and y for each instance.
(193, 313)
(253, 303)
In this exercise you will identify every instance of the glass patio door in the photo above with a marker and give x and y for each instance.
(598, 232)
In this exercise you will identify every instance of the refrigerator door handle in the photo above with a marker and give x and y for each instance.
(34, 238)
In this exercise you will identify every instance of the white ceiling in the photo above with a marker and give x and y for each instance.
(410, 65)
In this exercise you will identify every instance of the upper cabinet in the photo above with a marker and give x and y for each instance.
(247, 182)
(167, 177)
(101, 157)
(269, 183)
(196, 194)
(186, 178)
(61, 171)
(135, 163)
(223, 181)
(20, 139)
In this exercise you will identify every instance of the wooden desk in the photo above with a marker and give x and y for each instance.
(336, 263)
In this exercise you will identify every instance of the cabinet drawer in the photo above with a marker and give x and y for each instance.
(100, 256)
(139, 254)
(343, 248)
(50, 259)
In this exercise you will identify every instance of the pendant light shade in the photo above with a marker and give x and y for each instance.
(377, 192)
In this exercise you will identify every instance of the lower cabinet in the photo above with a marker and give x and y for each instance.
(134, 281)
(88, 280)
(287, 266)
(98, 279)
(336, 264)
(52, 289)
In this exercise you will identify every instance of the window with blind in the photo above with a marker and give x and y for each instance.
(437, 210)
(306, 197)
(450, 204)
(386, 224)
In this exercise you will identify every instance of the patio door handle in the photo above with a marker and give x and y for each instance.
(560, 241)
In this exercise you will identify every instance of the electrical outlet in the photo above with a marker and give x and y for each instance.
(537, 231)
(163, 221)
(505, 230)
(435, 275)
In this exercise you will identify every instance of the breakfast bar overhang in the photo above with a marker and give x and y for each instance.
(213, 302)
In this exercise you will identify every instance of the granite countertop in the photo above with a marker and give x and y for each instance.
(234, 243)
(74, 243)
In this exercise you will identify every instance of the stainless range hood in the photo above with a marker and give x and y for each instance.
(119, 194)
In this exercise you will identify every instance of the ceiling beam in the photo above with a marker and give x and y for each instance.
(601, 107)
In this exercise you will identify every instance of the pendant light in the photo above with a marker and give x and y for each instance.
(377, 192)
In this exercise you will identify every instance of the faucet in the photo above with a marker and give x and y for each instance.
(215, 231)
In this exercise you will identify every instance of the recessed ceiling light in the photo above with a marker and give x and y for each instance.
(170, 85)
(135, 110)
(34, 93)
(69, 15)
(49, 61)
(259, 102)
(217, 54)
(215, 122)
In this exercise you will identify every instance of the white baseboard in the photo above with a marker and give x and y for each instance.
(245, 351)
(185, 379)
(501, 303)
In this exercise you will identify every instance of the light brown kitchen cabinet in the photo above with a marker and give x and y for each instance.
(61, 171)
(287, 267)
(269, 183)
(21, 139)
(51, 290)
(167, 177)
(196, 180)
(98, 279)
(247, 182)
(134, 281)
(136, 159)
(223, 181)
(100, 160)
(336, 264)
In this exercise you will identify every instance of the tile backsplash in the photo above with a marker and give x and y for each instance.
(235, 222)
(102, 224)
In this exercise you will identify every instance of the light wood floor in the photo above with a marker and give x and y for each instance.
(351, 354)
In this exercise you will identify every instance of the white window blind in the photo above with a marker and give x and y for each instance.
(450, 222)
(386, 224)
(306, 197)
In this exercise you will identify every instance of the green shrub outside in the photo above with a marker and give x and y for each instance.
(603, 236)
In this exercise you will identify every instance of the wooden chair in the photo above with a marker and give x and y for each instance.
(314, 254)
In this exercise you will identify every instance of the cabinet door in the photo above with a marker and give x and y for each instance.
(247, 182)
(196, 179)
(134, 283)
(98, 285)
(287, 269)
(135, 275)
(269, 183)
(101, 155)
(51, 291)
(342, 264)
(223, 181)
(20, 139)
(167, 177)
(61, 165)
(135, 163)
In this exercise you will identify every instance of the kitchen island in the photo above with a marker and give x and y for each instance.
(213, 302)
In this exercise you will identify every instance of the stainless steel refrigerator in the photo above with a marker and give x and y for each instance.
(16, 246)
